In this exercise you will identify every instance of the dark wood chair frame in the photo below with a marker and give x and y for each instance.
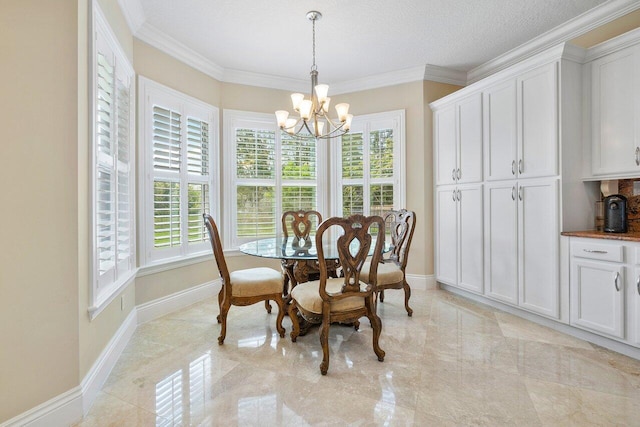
(225, 296)
(401, 224)
(354, 227)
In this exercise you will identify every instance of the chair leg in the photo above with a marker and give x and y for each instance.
(376, 324)
(279, 326)
(295, 325)
(224, 309)
(324, 341)
(407, 295)
(381, 296)
(220, 298)
(267, 306)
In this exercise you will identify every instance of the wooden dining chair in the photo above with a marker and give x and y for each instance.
(301, 223)
(391, 271)
(244, 287)
(343, 299)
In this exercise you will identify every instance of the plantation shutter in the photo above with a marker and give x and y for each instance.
(198, 165)
(352, 173)
(167, 133)
(299, 175)
(255, 177)
(125, 236)
(381, 161)
(105, 219)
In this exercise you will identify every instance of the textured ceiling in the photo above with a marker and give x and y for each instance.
(355, 38)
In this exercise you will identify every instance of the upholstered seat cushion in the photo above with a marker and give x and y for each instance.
(388, 273)
(307, 296)
(255, 281)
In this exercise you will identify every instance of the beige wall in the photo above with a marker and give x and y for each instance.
(38, 231)
(612, 29)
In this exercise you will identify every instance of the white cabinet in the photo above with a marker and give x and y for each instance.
(522, 126)
(597, 287)
(615, 113)
(521, 235)
(458, 142)
(459, 237)
(634, 302)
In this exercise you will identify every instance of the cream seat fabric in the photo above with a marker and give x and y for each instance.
(308, 296)
(255, 281)
(388, 273)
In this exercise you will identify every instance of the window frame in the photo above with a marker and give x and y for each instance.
(366, 123)
(104, 288)
(234, 119)
(150, 93)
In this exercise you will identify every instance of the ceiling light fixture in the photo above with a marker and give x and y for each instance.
(314, 121)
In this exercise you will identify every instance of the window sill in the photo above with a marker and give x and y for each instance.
(177, 262)
(118, 287)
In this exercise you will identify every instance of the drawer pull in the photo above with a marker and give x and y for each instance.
(637, 156)
(615, 281)
(638, 285)
(595, 251)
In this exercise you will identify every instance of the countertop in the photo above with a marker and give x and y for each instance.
(593, 234)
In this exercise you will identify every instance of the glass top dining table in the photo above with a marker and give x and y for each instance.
(291, 248)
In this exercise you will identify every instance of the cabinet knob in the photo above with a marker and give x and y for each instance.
(615, 281)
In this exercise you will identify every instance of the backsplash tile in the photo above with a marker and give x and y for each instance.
(625, 187)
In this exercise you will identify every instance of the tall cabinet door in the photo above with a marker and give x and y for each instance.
(446, 150)
(597, 303)
(446, 236)
(501, 241)
(614, 111)
(634, 300)
(471, 247)
(500, 131)
(470, 137)
(538, 219)
(538, 122)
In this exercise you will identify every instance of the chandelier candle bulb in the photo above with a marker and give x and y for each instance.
(296, 99)
(281, 116)
(321, 92)
(342, 109)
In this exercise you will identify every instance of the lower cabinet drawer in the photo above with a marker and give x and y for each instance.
(613, 252)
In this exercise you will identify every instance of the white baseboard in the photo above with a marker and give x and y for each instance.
(63, 410)
(422, 282)
(99, 372)
(166, 305)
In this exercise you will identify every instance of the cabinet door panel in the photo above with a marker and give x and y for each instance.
(446, 236)
(537, 123)
(500, 134)
(446, 155)
(634, 300)
(471, 260)
(470, 147)
(538, 219)
(501, 247)
(613, 112)
(596, 304)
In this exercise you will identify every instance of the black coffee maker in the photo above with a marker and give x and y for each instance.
(615, 214)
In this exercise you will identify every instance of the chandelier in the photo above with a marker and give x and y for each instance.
(314, 121)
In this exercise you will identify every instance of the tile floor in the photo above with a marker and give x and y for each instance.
(454, 362)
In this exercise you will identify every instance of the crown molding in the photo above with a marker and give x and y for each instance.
(613, 45)
(439, 74)
(265, 80)
(158, 39)
(573, 28)
(379, 80)
(133, 13)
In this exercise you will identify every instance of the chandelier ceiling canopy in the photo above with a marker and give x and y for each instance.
(314, 120)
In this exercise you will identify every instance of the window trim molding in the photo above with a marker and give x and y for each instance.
(98, 24)
(147, 87)
(400, 178)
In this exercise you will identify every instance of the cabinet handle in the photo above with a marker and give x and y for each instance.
(595, 251)
(453, 195)
(638, 285)
(520, 166)
(520, 193)
(513, 167)
(513, 193)
(615, 281)
(459, 174)
(637, 156)
(459, 195)
(453, 174)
